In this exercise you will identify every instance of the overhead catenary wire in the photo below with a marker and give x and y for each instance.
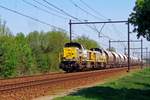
(97, 12)
(46, 11)
(69, 15)
(93, 10)
(93, 28)
(76, 5)
(100, 34)
(61, 10)
(29, 17)
(48, 7)
(65, 12)
(117, 32)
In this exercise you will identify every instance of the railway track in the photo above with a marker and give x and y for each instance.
(23, 77)
(27, 78)
(11, 86)
(56, 78)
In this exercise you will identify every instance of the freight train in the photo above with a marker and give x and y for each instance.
(76, 58)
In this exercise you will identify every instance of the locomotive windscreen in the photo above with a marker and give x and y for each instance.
(97, 49)
(73, 44)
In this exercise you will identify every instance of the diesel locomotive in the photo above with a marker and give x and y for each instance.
(76, 58)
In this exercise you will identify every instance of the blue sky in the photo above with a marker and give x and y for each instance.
(112, 9)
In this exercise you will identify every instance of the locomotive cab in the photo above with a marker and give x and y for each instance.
(100, 57)
(73, 55)
(72, 51)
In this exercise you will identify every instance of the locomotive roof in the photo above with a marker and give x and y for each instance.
(97, 49)
(74, 44)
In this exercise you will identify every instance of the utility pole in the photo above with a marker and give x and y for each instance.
(128, 46)
(141, 48)
(70, 31)
(146, 53)
(104, 22)
(147, 57)
(109, 45)
(110, 41)
(141, 53)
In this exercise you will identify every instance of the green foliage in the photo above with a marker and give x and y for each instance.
(87, 43)
(38, 52)
(24, 55)
(8, 58)
(140, 18)
(46, 48)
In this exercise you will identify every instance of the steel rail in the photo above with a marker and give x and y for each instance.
(10, 87)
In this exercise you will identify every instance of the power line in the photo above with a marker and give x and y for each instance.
(117, 31)
(76, 5)
(99, 14)
(93, 10)
(48, 7)
(61, 10)
(55, 10)
(43, 9)
(96, 12)
(100, 32)
(95, 28)
(37, 20)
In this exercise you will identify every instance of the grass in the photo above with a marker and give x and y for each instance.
(135, 86)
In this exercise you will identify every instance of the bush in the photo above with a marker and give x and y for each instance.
(38, 52)
(8, 58)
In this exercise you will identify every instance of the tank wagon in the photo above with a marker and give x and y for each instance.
(76, 58)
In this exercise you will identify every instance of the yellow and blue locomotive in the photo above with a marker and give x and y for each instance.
(76, 58)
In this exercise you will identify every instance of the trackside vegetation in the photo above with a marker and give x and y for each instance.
(135, 86)
(34, 53)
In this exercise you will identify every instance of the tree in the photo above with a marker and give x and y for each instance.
(8, 58)
(4, 30)
(52, 44)
(46, 47)
(87, 43)
(140, 18)
(25, 63)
